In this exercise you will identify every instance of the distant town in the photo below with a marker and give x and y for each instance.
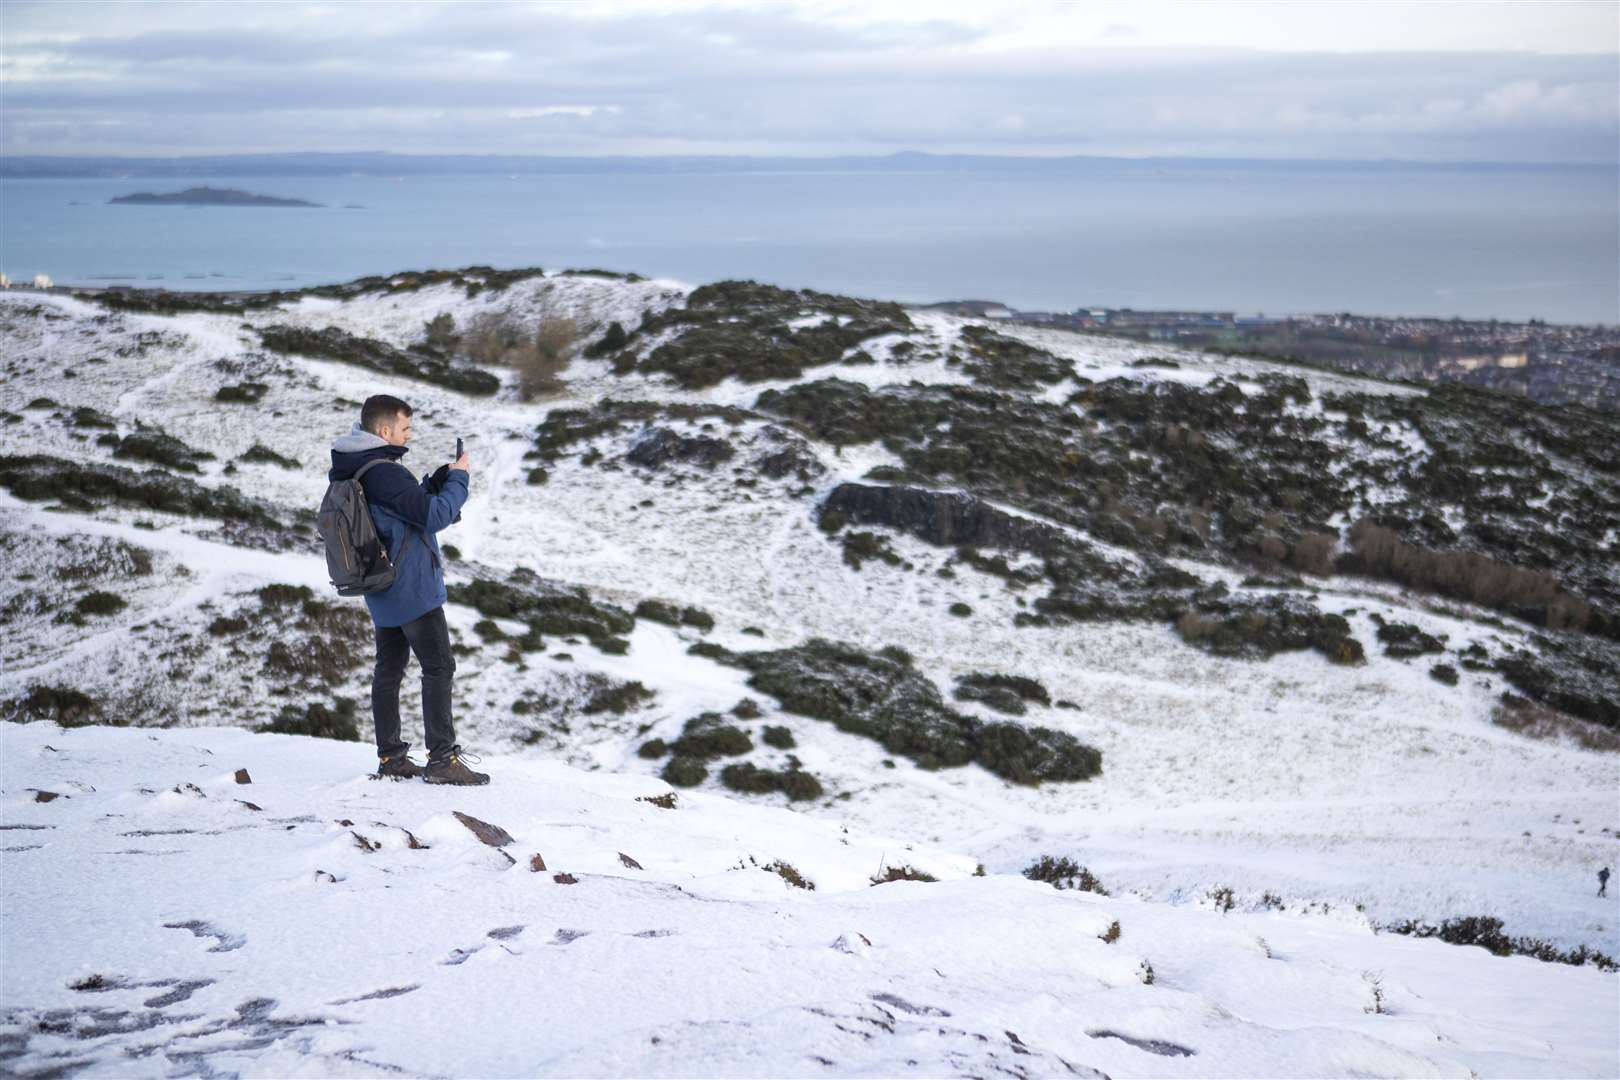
(1550, 364)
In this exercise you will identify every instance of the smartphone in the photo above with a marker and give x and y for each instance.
(458, 448)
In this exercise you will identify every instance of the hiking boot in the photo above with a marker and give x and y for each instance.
(398, 767)
(451, 770)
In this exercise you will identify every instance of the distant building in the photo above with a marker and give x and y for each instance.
(42, 281)
(1128, 317)
(5, 282)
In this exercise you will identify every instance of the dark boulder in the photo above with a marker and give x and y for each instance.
(945, 518)
(661, 446)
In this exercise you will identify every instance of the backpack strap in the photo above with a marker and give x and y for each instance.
(367, 467)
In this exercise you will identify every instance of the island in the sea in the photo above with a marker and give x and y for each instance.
(207, 196)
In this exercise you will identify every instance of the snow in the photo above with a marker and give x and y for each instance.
(269, 940)
(1328, 787)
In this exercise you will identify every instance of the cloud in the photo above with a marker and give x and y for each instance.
(1117, 31)
(718, 79)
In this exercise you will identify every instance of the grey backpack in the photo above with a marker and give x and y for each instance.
(356, 557)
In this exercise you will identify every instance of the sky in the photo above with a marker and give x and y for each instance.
(1432, 81)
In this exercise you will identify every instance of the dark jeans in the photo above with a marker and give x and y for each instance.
(429, 638)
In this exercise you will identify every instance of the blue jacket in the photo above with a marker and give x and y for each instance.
(400, 507)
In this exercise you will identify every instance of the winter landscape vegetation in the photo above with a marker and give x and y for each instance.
(869, 690)
(1004, 541)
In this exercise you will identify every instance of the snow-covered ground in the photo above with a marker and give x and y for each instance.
(164, 919)
(1333, 788)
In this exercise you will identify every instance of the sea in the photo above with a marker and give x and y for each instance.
(1254, 238)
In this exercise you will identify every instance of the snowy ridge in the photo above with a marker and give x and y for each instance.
(1357, 795)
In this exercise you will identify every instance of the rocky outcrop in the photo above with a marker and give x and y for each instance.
(945, 518)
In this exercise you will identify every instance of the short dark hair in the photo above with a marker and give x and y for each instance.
(381, 409)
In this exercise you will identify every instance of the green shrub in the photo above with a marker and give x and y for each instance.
(788, 873)
(1402, 640)
(684, 771)
(318, 720)
(261, 454)
(332, 343)
(749, 778)
(1444, 673)
(1004, 693)
(778, 737)
(1064, 873)
(611, 342)
(161, 449)
(882, 697)
(248, 393)
(100, 603)
(901, 873)
(62, 705)
(278, 595)
(616, 698)
(708, 736)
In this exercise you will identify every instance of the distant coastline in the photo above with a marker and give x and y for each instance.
(206, 196)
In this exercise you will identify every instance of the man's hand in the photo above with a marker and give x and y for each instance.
(462, 463)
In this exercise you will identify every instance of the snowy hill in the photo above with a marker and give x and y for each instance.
(875, 587)
(317, 923)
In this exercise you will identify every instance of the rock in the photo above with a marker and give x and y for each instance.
(947, 519)
(565, 879)
(242, 777)
(189, 789)
(629, 862)
(250, 806)
(537, 865)
(47, 796)
(796, 460)
(493, 835)
(660, 446)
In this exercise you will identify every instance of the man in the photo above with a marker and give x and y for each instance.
(409, 614)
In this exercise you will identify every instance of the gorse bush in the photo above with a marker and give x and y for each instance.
(1064, 873)
(539, 356)
(1468, 575)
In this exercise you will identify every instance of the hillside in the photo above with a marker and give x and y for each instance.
(1268, 651)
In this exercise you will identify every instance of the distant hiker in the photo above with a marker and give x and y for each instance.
(409, 613)
(1603, 882)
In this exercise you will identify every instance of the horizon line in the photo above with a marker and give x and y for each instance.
(10, 158)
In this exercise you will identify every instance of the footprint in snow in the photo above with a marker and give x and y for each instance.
(225, 942)
(182, 991)
(380, 995)
(1152, 1046)
(895, 1001)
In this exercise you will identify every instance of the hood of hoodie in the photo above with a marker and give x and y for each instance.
(351, 451)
